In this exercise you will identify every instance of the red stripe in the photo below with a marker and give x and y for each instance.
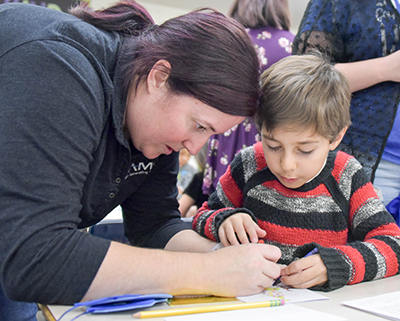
(340, 164)
(320, 190)
(389, 229)
(359, 198)
(200, 211)
(298, 236)
(259, 156)
(207, 228)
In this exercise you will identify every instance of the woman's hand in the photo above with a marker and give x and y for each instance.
(305, 272)
(239, 229)
(241, 270)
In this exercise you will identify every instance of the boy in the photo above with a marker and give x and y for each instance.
(293, 190)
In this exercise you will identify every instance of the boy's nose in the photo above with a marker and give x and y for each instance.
(288, 163)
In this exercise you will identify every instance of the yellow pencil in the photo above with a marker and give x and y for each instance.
(208, 308)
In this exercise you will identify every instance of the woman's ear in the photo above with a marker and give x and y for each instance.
(338, 139)
(158, 75)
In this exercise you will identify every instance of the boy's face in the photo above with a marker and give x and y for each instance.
(295, 156)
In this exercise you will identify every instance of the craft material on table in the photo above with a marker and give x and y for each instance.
(207, 309)
(385, 305)
(289, 312)
(195, 299)
(286, 293)
(119, 303)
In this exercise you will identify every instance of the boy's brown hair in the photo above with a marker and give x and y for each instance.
(305, 91)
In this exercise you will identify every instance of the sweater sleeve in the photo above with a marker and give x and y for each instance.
(225, 201)
(373, 248)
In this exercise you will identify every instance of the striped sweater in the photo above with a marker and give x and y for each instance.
(338, 212)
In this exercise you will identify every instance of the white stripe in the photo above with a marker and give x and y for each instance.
(371, 207)
(381, 262)
(319, 204)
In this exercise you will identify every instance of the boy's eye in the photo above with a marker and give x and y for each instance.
(273, 149)
(305, 152)
(200, 127)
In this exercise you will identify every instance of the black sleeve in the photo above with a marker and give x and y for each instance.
(51, 117)
(151, 215)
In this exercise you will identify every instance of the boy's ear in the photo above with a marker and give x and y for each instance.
(338, 139)
(158, 75)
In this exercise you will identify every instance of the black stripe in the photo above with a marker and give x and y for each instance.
(358, 180)
(201, 229)
(237, 171)
(372, 222)
(371, 264)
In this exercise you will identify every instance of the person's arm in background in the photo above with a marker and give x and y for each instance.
(192, 195)
(363, 74)
(325, 28)
(185, 203)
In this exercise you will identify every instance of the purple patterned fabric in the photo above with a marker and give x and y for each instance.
(272, 45)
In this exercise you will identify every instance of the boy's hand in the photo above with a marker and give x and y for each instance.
(239, 229)
(305, 273)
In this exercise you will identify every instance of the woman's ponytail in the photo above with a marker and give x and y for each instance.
(125, 17)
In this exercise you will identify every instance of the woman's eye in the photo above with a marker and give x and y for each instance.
(305, 152)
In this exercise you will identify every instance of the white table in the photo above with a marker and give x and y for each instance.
(332, 306)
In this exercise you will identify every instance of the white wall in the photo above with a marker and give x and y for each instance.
(160, 13)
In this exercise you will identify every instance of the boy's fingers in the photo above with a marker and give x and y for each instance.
(231, 235)
(222, 237)
(261, 233)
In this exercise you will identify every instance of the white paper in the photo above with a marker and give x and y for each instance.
(385, 305)
(290, 295)
(282, 313)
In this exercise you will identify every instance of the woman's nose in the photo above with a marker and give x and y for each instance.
(194, 146)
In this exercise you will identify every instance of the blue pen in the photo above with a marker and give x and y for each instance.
(314, 251)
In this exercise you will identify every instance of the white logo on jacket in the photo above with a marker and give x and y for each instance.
(140, 169)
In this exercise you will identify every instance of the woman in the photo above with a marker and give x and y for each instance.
(94, 109)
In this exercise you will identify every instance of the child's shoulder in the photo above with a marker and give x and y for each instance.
(342, 158)
(254, 154)
(250, 159)
(345, 165)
